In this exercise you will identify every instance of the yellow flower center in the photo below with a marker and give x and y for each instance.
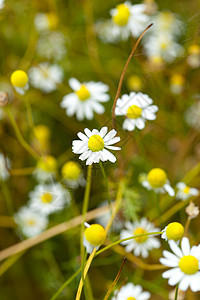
(134, 112)
(186, 190)
(157, 178)
(177, 79)
(189, 264)
(164, 45)
(194, 49)
(83, 93)
(53, 20)
(140, 239)
(134, 83)
(47, 163)
(174, 231)
(71, 170)
(130, 298)
(95, 234)
(95, 143)
(19, 78)
(122, 16)
(30, 222)
(46, 198)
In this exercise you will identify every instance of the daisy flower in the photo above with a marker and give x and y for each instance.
(131, 292)
(128, 20)
(19, 80)
(30, 222)
(73, 175)
(157, 180)
(46, 168)
(4, 163)
(192, 115)
(185, 192)
(46, 77)
(48, 198)
(193, 58)
(141, 245)
(173, 231)
(137, 108)
(46, 21)
(94, 236)
(167, 22)
(185, 264)
(162, 45)
(177, 82)
(86, 99)
(92, 145)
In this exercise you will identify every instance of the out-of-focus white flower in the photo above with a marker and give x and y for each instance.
(192, 211)
(193, 58)
(4, 163)
(140, 245)
(157, 180)
(19, 80)
(185, 264)
(72, 174)
(177, 82)
(46, 21)
(167, 22)
(94, 237)
(162, 45)
(46, 168)
(131, 292)
(46, 77)
(30, 222)
(92, 145)
(86, 99)
(2, 4)
(51, 45)
(185, 192)
(192, 115)
(173, 231)
(137, 108)
(49, 198)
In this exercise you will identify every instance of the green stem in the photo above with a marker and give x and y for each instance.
(20, 137)
(29, 114)
(8, 198)
(106, 182)
(176, 293)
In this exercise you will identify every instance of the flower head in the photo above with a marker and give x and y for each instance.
(157, 180)
(193, 58)
(46, 21)
(46, 168)
(131, 292)
(137, 108)
(173, 231)
(185, 264)
(177, 82)
(185, 192)
(86, 99)
(72, 174)
(94, 236)
(92, 145)
(19, 80)
(140, 245)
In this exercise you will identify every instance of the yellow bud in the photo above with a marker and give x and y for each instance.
(174, 231)
(19, 78)
(95, 234)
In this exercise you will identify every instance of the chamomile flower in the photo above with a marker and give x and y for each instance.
(2, 4)
(185, 192)
(193, 58)
(46, 168)
(86, 99)
(131, 292)
(46, 21)
(49, 198)
(141, 245)
(72, 174)
(30, 222)
(134, 83)
(19, 80)
(46, 77)
(192, 115)
(167, 22)
(163, 45)
(173, 231)
(177, 82)
(128, 20)
(185, 264)
(4, 163)
(94, 236)
(137, 108)
(93, 145)
(157, 180)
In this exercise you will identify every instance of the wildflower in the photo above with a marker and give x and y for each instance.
(134, 83)
(2, 4)
(167, 22)
(128, 20)
(30, 222)
(177, 82)
(94, 236)
(157, 180)
(193, 58)
(72, 174)
(4, 164)
(19, 80)
(185, 264)
(140, 245)
(86, 99)
(46, 21)
(185, 192)
(46, 168)
(192, 210)
(137, 108)
(192, 115)
(46, 77)
(131, 292)
(92, 145)
(173, 231)
(48, 198)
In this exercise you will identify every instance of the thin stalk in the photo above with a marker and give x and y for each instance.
(106, 182)
(29, 114)
(7, 197)
(176, 293)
